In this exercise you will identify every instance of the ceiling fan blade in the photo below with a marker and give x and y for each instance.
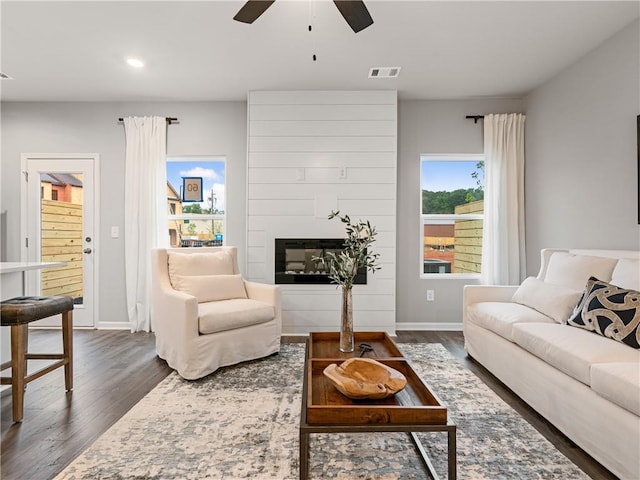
(355, 13)
(251, 10)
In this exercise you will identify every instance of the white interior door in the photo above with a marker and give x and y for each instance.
(60, 225)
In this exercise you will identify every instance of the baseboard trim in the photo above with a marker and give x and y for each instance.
(113, 326)
(58, 327)
(408, 326)
(404, 326)
(425, 326)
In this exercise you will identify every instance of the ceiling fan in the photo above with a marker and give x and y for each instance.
(354, 12)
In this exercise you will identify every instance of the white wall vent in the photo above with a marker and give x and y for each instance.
(384, 72)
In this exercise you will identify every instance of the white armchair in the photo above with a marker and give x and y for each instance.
(205, 315)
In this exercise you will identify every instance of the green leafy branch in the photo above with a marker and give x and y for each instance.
(343, 266)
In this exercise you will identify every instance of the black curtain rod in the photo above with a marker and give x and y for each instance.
(475, 118)
(169, 120)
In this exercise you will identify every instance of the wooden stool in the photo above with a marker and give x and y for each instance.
(17, 313)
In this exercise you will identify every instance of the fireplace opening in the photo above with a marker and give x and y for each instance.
(294, 261)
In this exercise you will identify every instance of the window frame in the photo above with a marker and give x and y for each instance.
(202, 216)
(448, 157)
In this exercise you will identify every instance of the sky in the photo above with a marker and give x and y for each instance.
(439, 176)
(212, 173)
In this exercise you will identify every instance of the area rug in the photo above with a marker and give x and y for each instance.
(242, 422)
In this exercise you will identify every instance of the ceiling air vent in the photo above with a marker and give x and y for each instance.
(384, 72)
(4, 76)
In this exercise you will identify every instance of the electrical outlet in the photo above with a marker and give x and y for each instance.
(342, 172)
(115, 232)
(431, 295)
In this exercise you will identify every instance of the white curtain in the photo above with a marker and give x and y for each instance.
(503, 248)
(145, 218)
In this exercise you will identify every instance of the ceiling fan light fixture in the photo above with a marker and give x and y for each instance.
(384, 72)
(354, 12)
(251, 10)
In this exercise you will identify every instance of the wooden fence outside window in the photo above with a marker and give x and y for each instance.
(62, 242)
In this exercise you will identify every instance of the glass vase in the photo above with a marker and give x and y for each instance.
(346, 324)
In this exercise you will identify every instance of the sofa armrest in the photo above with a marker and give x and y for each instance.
(174, 313)
(266, 293)
(488, 293)
(485, 293)
(262, 292)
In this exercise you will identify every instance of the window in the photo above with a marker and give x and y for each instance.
(452, 199)
(196, 224)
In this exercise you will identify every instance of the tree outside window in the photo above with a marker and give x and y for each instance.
(452, 194)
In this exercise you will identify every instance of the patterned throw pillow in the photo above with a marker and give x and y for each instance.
(609, 311)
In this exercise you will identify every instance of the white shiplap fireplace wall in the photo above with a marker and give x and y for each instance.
(310, 152)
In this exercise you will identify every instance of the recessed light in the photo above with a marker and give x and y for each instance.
(135, 62)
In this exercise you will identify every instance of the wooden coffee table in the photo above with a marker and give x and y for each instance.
(325, 410)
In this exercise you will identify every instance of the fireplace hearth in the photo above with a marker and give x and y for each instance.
(295, 264)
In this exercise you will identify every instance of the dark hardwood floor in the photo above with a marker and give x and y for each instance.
(115, 369)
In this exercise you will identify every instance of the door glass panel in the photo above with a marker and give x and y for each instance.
(61, 198)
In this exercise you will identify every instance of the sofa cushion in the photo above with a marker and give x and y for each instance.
(230, 314)
(499, 317)
(571, 350)
(627, 273)
(610, 311)
(554, 301)
(210, 263)
(211, 288)
(619, 383)
(573, 271)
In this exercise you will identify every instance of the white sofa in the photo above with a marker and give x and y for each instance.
(585, 384)
(205, 315)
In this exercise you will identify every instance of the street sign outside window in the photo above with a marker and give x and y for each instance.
(192, 189)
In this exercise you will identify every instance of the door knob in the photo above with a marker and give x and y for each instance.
(87, 250)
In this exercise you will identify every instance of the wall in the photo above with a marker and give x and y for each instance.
(205, 128)
(221, 128)
(431, 127)
(581, 160)
(299, 143)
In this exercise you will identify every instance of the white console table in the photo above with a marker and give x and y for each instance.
(23, 267)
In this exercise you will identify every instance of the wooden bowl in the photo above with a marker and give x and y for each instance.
(359, 378)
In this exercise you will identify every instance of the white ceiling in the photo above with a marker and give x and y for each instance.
(75, 51)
